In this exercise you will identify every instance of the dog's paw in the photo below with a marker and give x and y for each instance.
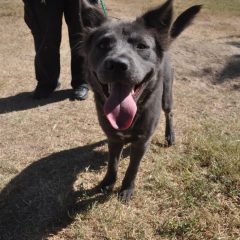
(107, 184)
(106, 188)
(170, 139)
(125, 195)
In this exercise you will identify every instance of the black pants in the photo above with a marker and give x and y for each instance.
(44, 18)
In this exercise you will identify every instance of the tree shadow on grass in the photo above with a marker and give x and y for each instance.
(231, 70)
(24, 101)
(40, 200)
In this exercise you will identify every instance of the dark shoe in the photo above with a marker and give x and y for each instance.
(80, 93)
(44, 91)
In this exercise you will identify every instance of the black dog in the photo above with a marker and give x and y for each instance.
(128, 67)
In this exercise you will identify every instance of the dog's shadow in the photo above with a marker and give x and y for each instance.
(41, 199)
(24, 101)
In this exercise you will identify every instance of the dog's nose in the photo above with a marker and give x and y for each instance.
(120, 65)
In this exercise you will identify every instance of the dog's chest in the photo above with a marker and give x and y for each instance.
(128, 136)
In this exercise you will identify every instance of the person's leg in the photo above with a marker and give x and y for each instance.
(45, 21)
(72, 17)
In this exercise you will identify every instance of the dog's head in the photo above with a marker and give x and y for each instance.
(123, 57)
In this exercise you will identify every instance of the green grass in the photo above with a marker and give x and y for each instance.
(204, 178)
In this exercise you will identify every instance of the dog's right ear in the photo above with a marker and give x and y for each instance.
(159, 18)
(91, 16)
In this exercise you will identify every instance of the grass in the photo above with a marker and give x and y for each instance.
(11, 9)
(192, 195)
(204, 181)
(53, 152)
(217, 7)
(214, 7)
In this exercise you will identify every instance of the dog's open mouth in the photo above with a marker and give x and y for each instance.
(120, 105)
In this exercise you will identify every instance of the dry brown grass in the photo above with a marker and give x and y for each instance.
(53, 151)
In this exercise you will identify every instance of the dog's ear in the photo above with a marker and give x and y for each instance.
(159, 18)
(184, 20)
(159, 21)
(91, 16)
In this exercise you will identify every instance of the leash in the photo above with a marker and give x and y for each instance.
(103, 7)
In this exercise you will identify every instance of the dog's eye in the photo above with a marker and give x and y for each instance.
(142, 46)
(104, 44)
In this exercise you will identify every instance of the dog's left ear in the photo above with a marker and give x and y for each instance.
(160, 21)
(184, 20)
(91, 15)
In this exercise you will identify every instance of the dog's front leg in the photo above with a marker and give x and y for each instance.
(167, 103)
(115, 151)
(138, 149)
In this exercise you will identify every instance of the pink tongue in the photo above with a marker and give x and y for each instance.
(120, 108)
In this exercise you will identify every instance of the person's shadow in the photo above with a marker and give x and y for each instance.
(24, 101)
(41, 200)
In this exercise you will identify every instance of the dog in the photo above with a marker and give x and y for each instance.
(128, 67)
